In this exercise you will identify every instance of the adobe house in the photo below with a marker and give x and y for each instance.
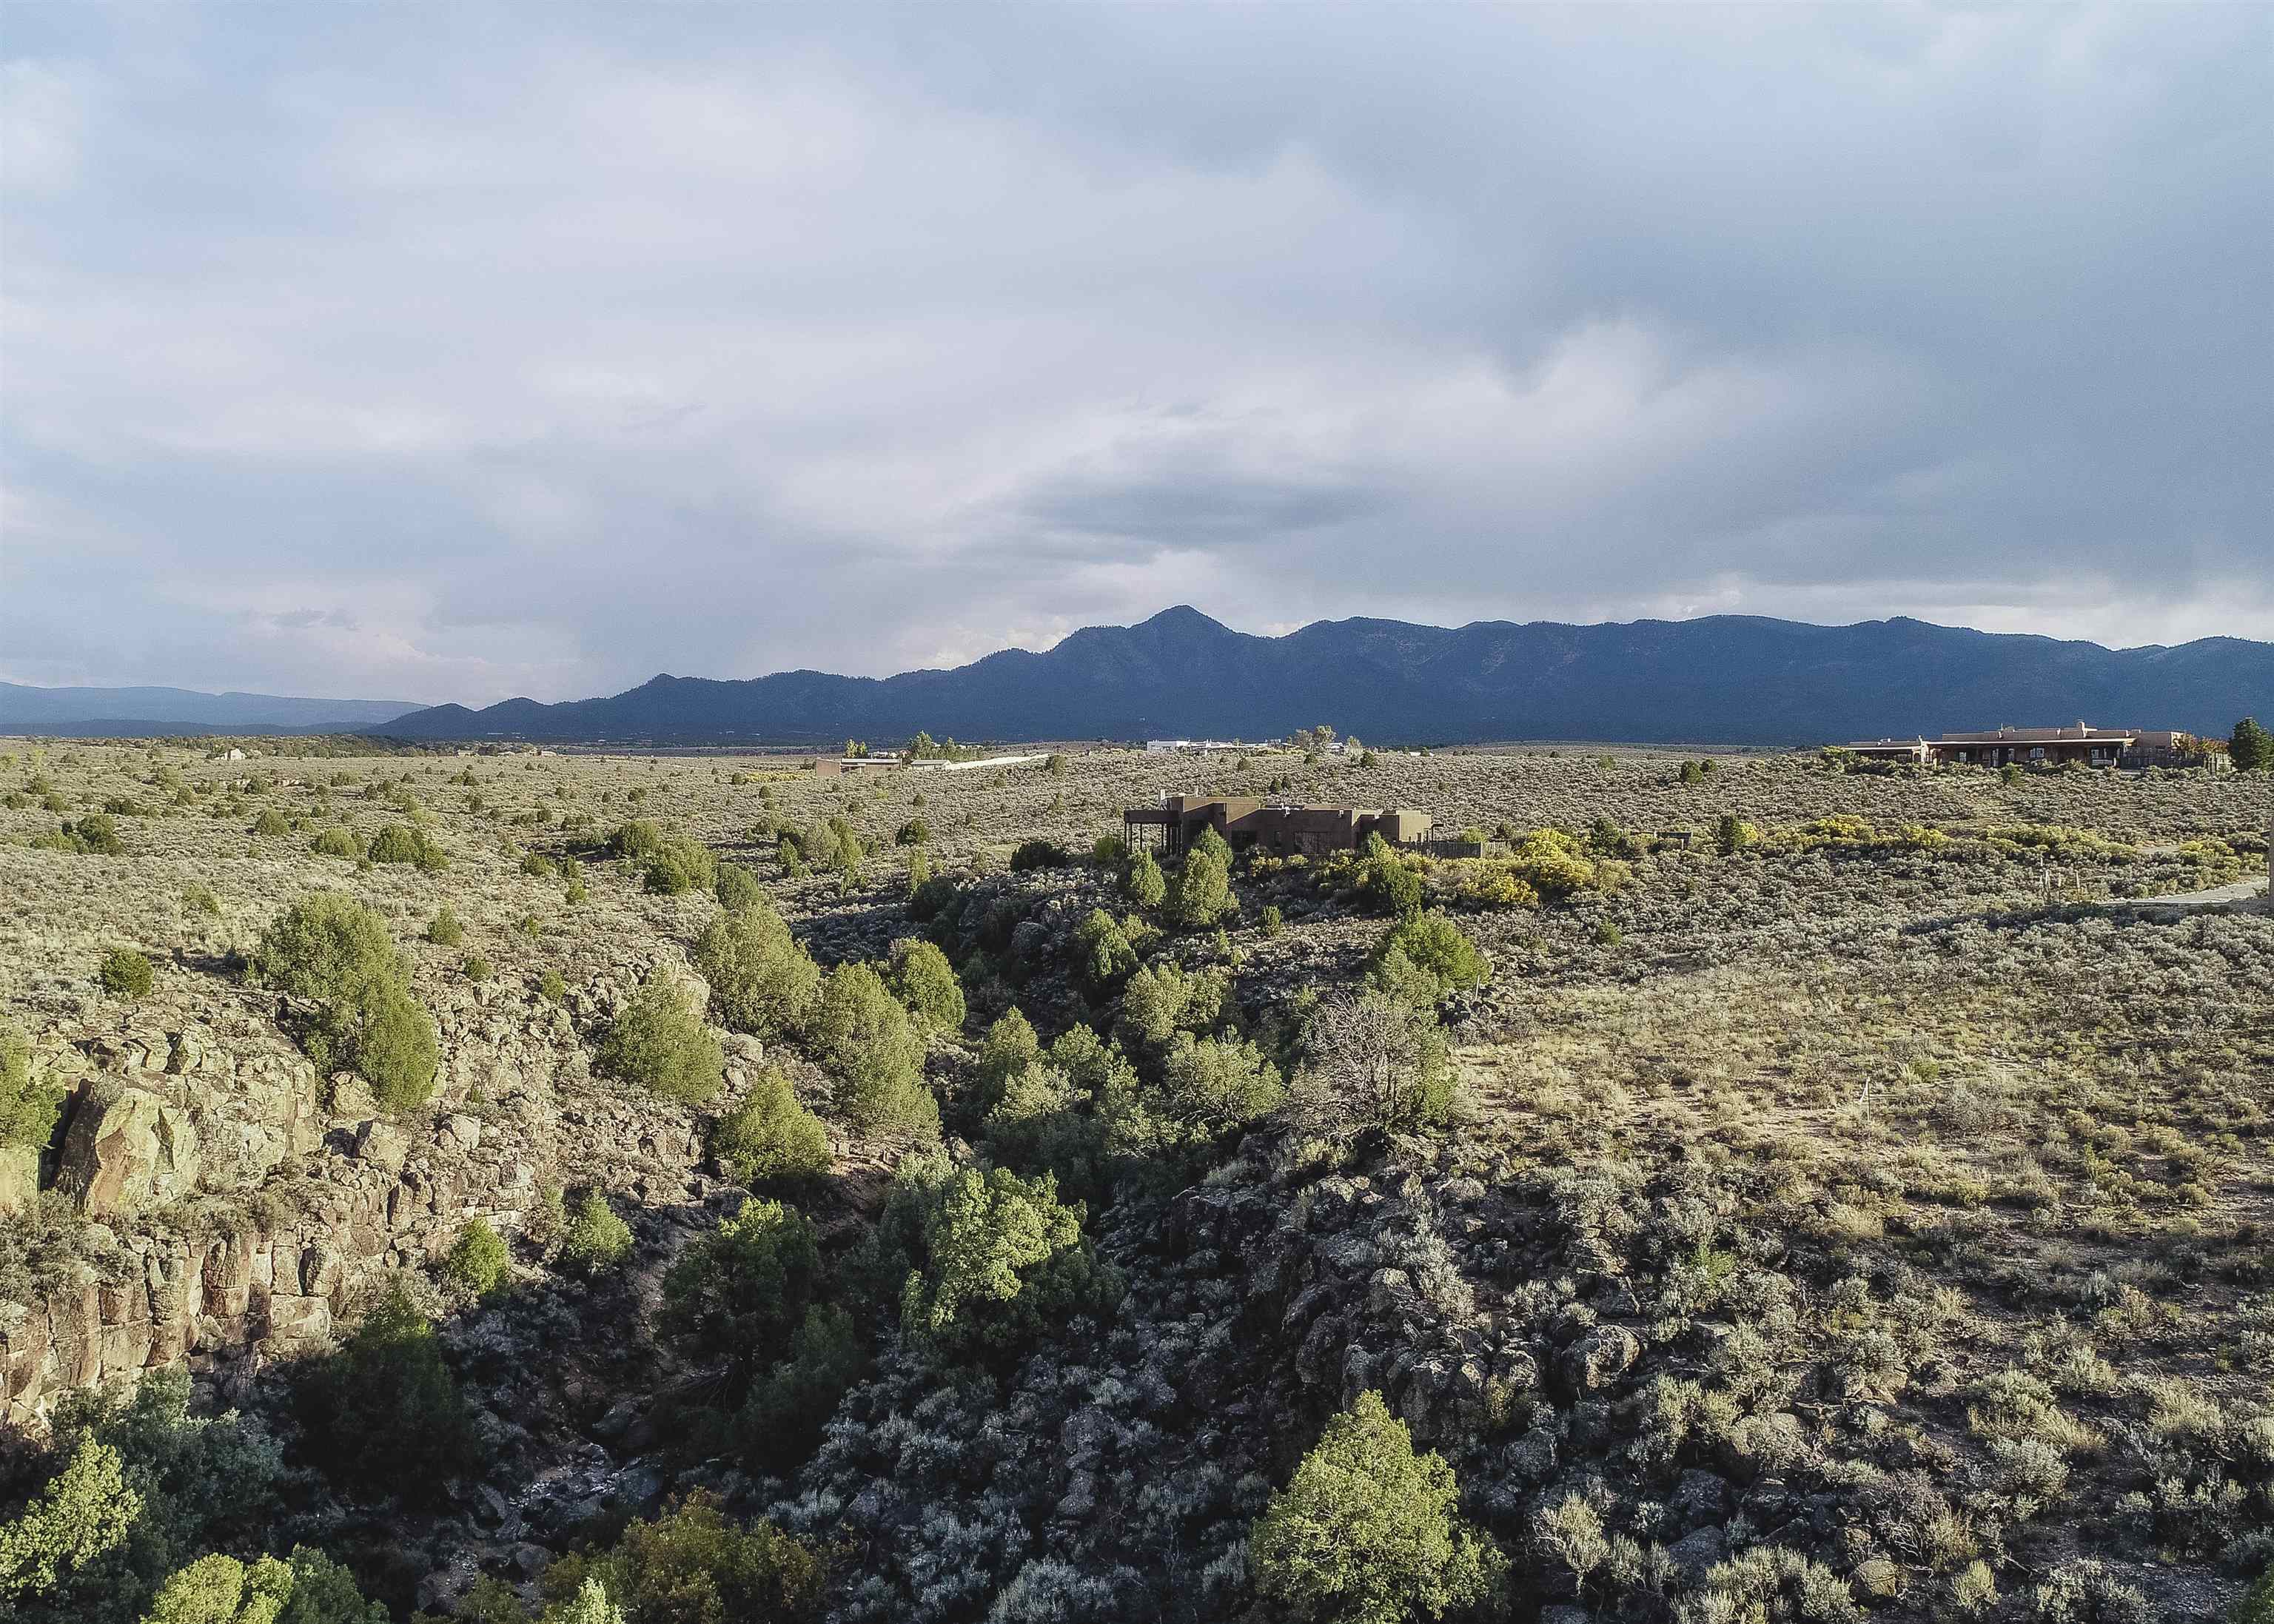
(2045, 747)
(1248, 820)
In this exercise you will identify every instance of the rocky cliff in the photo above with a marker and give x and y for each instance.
(237, 1201)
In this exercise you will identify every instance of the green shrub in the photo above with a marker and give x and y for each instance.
(1164, 999)
(1274, 922)
(338, 841)
(477, 968)
(1436, 948)
(740, 1291)
(29, 1105)
(738, 887)
(771, 1138)
(916, 832)
(1733, 834)
(445, 929)
(1032, 854)
(384, 1415)
(782, 1420)
(1104, 957)
(2256, 1605)
(98, 834)
(95, 833)
(931, 898)
(550, 988)
(1003, 1261)
(1203, 891)
(270, 825)
(476, 1259)
(407, 843)
(866, 1039)
(1009, 1047)
(1392, 886)
(1366, 1531)
(926, 984)
(657, 1042)
(1145, 885)
(126, 974)
(1211, 1086)
(679, 865)
(762, 981)
(217, 1589)
(82, 1516)
(1110, 853)
(537, 866)
(332, 952)
(691, 1566)
(636, 839)
(594, 1240)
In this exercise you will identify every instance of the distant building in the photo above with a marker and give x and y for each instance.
(1246, 821)
(832, 767)
(2045, 747)
(1191, 746)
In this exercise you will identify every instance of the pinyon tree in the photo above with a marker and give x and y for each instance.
(1365, 1533)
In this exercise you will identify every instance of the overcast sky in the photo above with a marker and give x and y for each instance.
(443, 352)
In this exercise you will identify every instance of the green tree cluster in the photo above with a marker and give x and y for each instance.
(927, 985)
(657, 1040)
(762, 981)
(693, 1565)
(383, 1414)
(2250, 746)
(407, 843)
(29, 1105)
(1367, 1531)
(1002, 1259)
(738, 886)
(679, 864)
(335, 956)
(91, 835)
(866, 1039)
(1145, 885)
(740, 1291)
(1202, 894)
(771, 1138)
(338, 841)
(1424, 957)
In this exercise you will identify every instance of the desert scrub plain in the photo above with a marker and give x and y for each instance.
(598, 1188)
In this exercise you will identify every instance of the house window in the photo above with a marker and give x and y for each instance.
(2037, 753)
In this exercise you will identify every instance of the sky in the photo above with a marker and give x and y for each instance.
(448, 351)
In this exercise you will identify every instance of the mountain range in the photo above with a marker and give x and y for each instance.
(1722, 678)
(141, 712)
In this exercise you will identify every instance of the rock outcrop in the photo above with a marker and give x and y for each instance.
(237, 1206)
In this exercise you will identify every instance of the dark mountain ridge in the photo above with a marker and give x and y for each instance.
(91, 712)
(1724, 679)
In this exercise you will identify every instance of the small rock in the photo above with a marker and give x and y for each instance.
(1696, 1552)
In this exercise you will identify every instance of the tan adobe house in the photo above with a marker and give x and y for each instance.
(1246, 821)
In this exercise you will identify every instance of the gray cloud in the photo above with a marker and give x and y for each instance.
(457, 352)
